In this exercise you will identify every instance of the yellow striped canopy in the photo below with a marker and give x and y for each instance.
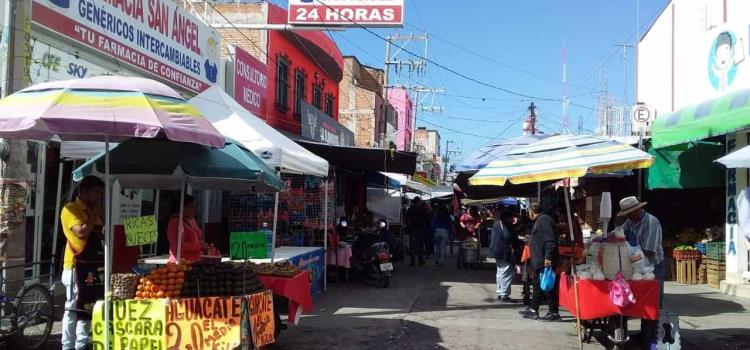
(561, 157)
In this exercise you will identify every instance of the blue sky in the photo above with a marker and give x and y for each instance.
(521, 42)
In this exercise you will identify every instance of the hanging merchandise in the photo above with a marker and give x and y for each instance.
(301, 211)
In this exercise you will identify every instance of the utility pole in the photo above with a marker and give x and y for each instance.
(416, 70)
(16, 51)
(446, 158)
(565, 91)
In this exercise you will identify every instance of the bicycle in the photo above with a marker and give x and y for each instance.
(26, 320)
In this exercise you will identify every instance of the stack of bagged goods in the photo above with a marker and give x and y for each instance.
(124, 286)
(612, 255)
(590, 271)
(163, 282)
(642, 269)
(213, 279)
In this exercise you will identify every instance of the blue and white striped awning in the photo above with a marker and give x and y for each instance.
(561, 157)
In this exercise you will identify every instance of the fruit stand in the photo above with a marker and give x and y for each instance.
(204, 304)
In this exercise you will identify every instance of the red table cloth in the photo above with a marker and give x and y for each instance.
(594, 299)
(295, 288)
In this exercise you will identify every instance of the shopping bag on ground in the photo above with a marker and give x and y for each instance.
(620, 293)
(547, 279)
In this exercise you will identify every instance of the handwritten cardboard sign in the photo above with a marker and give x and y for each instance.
(204, 323)
(135, 325)
(246, 245)
(262, 322)
(140, 230)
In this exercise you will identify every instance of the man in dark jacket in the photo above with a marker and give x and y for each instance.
(417, 220)
(544, 253)
(503, 242)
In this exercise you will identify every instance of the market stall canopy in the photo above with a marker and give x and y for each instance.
(409, 185)
(82, 149)
(160, 164)
(277, 150)
(364, 159)
(687, 166)
(493, 150)
(380, 180)
(103, 108)
(737, 159)
(559, 157)
(710, 118)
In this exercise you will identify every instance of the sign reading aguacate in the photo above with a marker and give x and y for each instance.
(347, 13)
(156, 36)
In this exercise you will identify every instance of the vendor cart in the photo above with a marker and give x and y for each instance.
(468, 253)
(598, 313)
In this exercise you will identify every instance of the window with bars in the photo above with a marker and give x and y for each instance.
(299, 92)
(282, 83)
(317, 95)
(329, 105)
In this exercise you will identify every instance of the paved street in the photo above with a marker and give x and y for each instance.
(445, 308)
(433, 307)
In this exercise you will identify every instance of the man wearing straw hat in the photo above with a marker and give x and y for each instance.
(646, 229)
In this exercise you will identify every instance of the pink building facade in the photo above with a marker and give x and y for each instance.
(404, 106)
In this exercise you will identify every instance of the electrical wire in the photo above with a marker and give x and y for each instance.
(444, 67)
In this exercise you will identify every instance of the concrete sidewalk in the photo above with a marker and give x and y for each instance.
(432, 307)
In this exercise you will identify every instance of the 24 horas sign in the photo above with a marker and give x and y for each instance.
(347, 13)
(156, 36)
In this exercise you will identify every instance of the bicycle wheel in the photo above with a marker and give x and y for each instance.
(34, 316)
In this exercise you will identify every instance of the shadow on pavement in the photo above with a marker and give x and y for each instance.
(715, 339)
(696, 305)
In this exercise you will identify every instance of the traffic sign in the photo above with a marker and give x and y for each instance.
(641, 117)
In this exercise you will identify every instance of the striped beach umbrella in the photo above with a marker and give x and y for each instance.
(561, 157)
(105, 108)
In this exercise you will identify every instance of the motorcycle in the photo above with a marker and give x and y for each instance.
(372, 258)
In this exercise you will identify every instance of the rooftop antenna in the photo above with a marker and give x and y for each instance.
(564, 121)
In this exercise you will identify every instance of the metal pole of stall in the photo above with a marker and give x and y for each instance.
(107, 244)
(180, 227)
(325, 238)
(157, 194)
(573, 264)
(56, 228)
(275, 222)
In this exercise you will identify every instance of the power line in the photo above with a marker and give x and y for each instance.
(451, 70)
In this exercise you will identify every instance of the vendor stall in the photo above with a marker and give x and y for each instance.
(302, 213)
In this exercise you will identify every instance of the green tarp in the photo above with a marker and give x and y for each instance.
(710, 118)
(686, 166)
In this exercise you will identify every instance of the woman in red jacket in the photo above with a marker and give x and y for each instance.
(192, 238)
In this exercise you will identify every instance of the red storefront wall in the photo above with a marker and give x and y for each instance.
(322, 64)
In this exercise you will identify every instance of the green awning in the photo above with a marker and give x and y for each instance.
(710, 118)
(686, 166)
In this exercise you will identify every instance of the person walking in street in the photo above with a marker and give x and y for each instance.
(417, 220)
(82, 227)
(470, 222)
(442, 225)
(504, 245)
(429, 232)
(544, 253)
(646, 230)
